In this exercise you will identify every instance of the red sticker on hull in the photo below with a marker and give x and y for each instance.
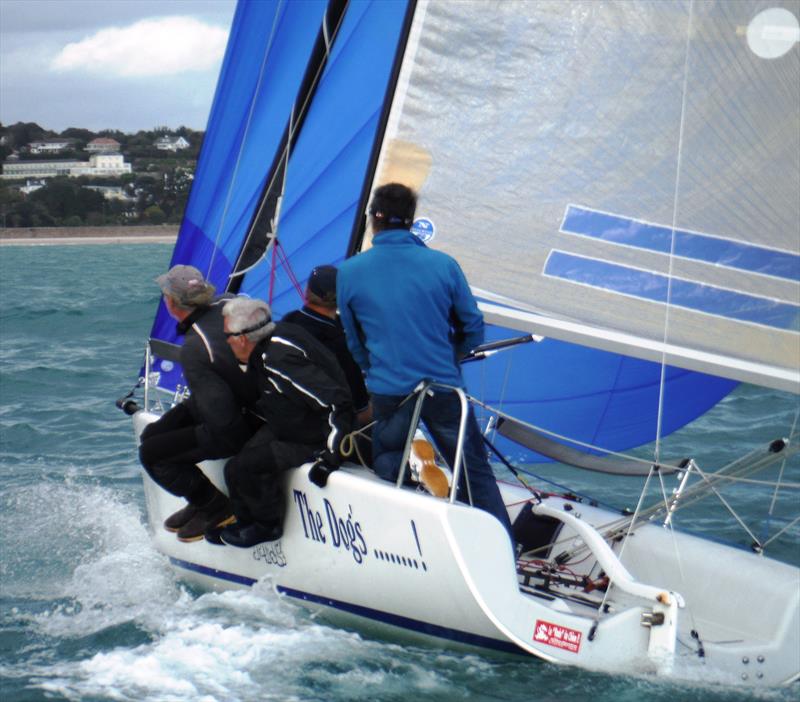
(558, 636)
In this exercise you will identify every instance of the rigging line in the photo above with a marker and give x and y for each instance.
(750, 481)
(505, 382)
(625, 539)
(278, 249)
(236, 273)
(251, 111)
(288, 267)
(261, 258)
(676, 550)
(783, 466)
(576, 442)
(328, 38)
(284, 159)
(728, 506)
(662, 380)
(690, 495)
(697, 491)
(776, 535)
(272, 270)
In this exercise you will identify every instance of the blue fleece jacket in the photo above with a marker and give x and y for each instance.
(407, 312)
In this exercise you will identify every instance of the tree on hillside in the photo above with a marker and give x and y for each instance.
(23, 133)
(155, 215)
(16, 211)
(82, 135)
(30, 214)
(64, 198)
(10, 198)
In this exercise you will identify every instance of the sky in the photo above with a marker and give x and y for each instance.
(111, 64)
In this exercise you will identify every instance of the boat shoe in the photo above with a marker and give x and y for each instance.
(214, 534)
(178, 519)
(217, 512)
(247, 535)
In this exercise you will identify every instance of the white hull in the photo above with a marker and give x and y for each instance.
(372, 554)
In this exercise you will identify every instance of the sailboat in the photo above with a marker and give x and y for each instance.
(618, 179)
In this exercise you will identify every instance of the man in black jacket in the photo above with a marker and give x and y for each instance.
(318, 317)
(306, 407)
(211, 423)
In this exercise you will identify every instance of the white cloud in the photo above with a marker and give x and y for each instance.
(152, 47)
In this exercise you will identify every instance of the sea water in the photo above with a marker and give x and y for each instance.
(90, 611)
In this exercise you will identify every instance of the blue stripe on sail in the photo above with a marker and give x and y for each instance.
(647, 285)
(692, 245)
(330, 159)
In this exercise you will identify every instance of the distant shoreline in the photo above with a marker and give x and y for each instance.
(42, 236)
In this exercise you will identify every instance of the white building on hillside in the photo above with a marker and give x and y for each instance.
(50, 146)
(97, 165)
(31, 186)
(111, 192)
(104, 164)
(168, 143)
(39, 169)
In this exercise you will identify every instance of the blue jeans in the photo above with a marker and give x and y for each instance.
(441, 413)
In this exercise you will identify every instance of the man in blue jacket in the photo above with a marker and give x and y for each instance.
(409, 315)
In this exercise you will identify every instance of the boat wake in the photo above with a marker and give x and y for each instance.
(105, 618)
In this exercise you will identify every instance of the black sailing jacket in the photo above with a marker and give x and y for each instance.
(219, 389)
(331, 333)
(303, 393)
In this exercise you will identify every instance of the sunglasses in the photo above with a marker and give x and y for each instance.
(260, 325)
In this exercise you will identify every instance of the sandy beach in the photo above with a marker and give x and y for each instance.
(44, 236)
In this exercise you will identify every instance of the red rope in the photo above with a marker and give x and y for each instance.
(279, 253)
(272, 274)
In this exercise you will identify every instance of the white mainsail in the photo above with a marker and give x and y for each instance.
(625, 175)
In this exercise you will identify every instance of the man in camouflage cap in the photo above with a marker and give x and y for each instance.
(211, 422)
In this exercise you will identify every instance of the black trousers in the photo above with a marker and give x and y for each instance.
(169, 453)
(256, 476)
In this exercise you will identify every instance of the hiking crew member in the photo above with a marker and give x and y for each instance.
(318, 317)
(409, 315)
(210, 423)
(305, 403)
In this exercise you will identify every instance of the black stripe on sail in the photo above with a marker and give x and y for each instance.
(360, 222)
(260, 230)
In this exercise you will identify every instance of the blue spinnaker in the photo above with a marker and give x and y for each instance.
(330, 161)
(596, 397)
(267, 54)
